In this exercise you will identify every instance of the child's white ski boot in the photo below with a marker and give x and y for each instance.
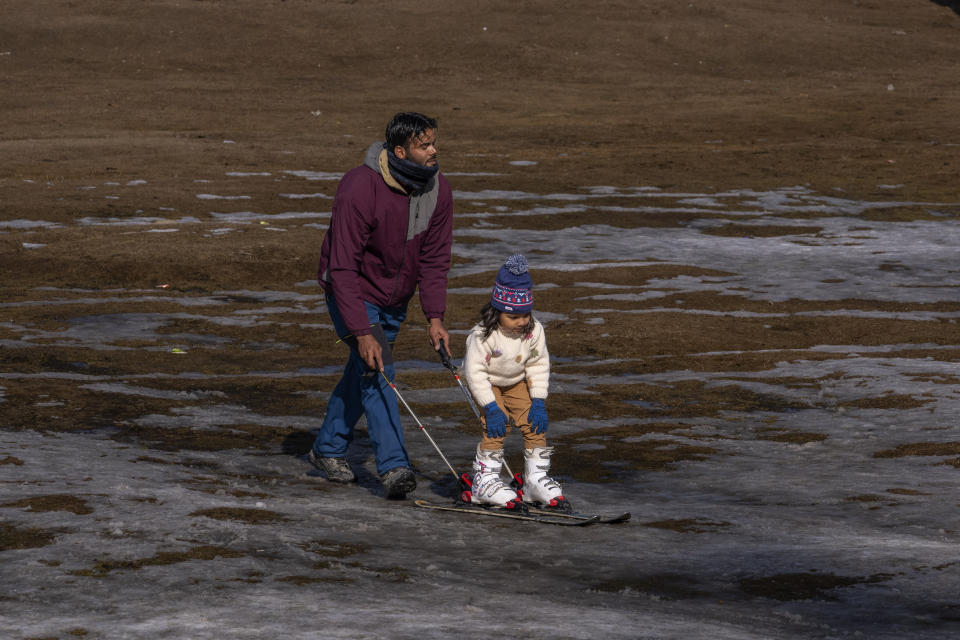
(487, 487)
(538, 487)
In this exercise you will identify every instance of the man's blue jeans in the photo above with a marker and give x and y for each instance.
(357, 394)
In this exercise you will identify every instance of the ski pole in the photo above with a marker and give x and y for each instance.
(387, 359)
(445, 359)
(420, 424)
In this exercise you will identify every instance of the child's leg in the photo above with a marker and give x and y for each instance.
(488, 486)
(538, 486)
(515, 401)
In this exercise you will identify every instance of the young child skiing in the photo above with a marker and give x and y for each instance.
(507, 369)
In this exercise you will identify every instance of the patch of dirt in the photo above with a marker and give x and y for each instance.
(802, 586)
(760, 231)
(667, 586)
(624, 276)
(688, 525)
(71, 504)
(240, 514)
(706, 362)
(888, 401)
(791, 437)
(938, 379)
(920, 449)
(596, 447)
(102, 568)
(681, 398)
(188, 438)
(872, 498)
(14, 537)
(304, 581)
(330, 548)
(907, 492)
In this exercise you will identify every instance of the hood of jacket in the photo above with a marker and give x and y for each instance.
(422, 204)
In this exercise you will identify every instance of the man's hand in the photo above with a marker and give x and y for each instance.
(437, 332)
(370, 351)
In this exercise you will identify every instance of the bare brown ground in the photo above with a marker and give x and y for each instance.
(698, 97)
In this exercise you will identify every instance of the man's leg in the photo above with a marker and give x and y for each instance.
(380, 402)
(343, 411)
(345, 405)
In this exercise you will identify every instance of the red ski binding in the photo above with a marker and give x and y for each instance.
(466, 495)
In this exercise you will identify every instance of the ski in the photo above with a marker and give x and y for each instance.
(543, 518)
(599, 519)
(538, 508)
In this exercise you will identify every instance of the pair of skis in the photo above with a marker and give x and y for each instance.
(533, 514)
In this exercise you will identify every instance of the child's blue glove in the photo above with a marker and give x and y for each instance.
(496, 421)
(538, 415)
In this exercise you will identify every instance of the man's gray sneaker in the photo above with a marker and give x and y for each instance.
(337, 469)
(398, 482)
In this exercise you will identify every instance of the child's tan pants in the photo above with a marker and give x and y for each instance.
(515, 402)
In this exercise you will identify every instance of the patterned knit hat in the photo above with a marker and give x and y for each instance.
(512, 291)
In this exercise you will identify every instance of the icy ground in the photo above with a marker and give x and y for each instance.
(765, 539)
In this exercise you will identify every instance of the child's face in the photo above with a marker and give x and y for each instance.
(513, 321)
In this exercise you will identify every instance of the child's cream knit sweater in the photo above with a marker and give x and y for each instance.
(504, 360)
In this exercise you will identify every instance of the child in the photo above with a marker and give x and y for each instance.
(507, 369)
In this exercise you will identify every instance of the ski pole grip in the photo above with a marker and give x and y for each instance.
(445, 356)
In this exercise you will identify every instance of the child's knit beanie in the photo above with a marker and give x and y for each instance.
(512, 291)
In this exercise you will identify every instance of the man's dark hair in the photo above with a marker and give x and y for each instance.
(407, 125)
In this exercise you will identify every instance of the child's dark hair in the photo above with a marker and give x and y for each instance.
(490, 318)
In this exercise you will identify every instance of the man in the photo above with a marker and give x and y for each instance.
(390, 233)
